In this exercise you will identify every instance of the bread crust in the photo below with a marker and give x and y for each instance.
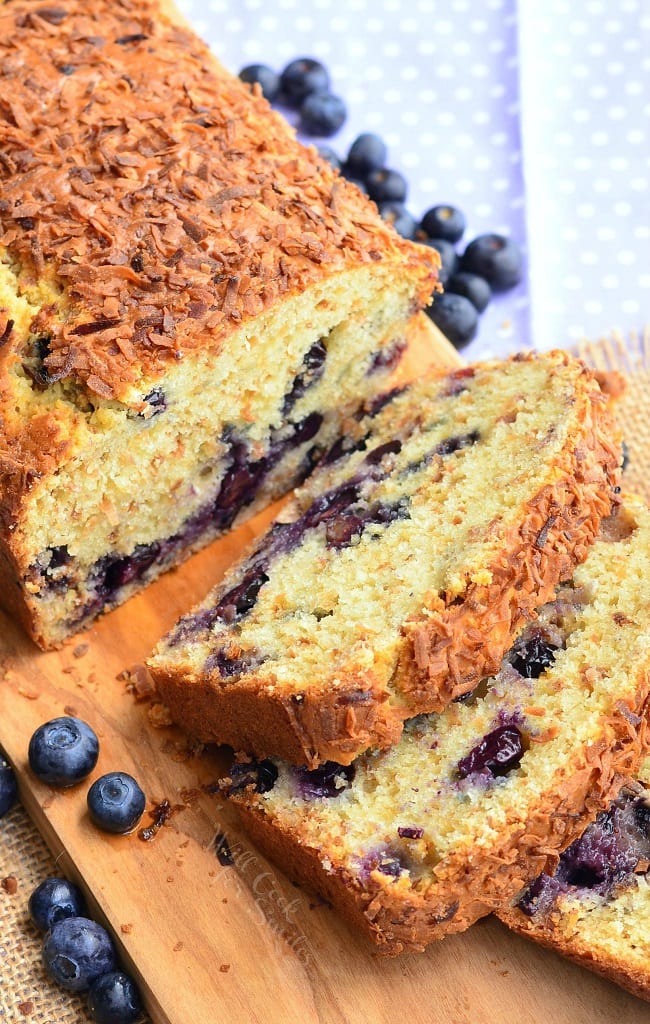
(470, 883)
(457, 640)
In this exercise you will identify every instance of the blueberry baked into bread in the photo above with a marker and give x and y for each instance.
(595, 907)
(420, 840)
(187, 298)
(397, 576)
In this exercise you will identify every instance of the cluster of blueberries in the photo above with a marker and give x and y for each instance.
(78, 953)
(489, 263)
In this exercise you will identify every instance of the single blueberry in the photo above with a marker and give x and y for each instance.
(367, 153)
(116, 802)
(386, 186)
(8, 786)
(448, 257)
(473, 287)
(332, 157)
(53, 900)
(114, 999)
(328, 780)
(455, 316)
(532, 655)
(443, 221)
(641, 811)
(498, 752)
(496, 258)
(397, 215)
(76, 951)
(63, 751)
(322, 113)
(302, 77)
(266, 77)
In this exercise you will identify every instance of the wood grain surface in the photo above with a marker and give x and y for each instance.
(211, 943)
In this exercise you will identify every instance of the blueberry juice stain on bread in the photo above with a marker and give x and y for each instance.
(420, 840)
(594, 907)
(398, 575)
(188, 298)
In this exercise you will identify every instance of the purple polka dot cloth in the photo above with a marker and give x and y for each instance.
(534, 119)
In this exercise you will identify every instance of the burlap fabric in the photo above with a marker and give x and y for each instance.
(26, 993)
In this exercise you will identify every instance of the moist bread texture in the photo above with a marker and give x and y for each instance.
(595, 908)
(418, 841)
(188, 298)
(397, 577)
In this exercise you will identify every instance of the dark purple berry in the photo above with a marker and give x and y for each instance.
(367, 153)
(302, 77)
(443, 221)
(532, 655)
(642, 815)
(76, 951)
(326, 153)
(386, 186)
(498, 753)
(328, 781)
(473, 287)
(448, 258)
(397, 215)
(266, 77)
(116, 803)
(260, 774)
(54, 899)
(410, 831)
(63, 751)
(322, 113)
(449, 445)
(496, 258)
(238, 601)
(455, 316)
(8, 786)
(313, 367)
(114, 999)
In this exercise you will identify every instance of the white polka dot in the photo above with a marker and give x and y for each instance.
(409, 25)
(580, 71)
(644, 280)
(633, 88)
(409, 73)
(445, 71)
(635, 137)
(501, 184)
(585, 210)
(602, 185)
(609, 281)
(581, 115)
(593, 306)
(483, 209)
(630, 306)
(481, 117)
(642, 231)
(569, 234)
(622, 208)
(482, 162)
(626, 257)
(605, 234)
(391, 96)
(426, 46)
(588, 258)
(567, 186)
(463, 93)
(599, 139)
(391, 49)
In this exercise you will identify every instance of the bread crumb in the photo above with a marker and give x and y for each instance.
(70, 709)
(126, 929)
(178, 947)
(10, 885)
(80, 650)
(224, 968)
(159, 716)
(27, 694)
(26, 1008)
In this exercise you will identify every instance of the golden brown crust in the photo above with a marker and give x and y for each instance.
(446, 650)
(164, 200)
(471, 884)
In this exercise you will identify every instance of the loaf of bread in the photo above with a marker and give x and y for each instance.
(420, 840)
(188, 297)
(398, 576)
(595, 907)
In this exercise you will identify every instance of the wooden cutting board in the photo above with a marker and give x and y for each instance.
(211, 943)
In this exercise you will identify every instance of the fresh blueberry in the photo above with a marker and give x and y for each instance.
(367, 153)
(496, 258)
(397, 215)
(114, 999)
(53, 900)
(329, 780)
(322, 113)
(268, 79)
(116, 802)
(473, 287)
(386, 186)
(302, 77)
(8, 786)
(76, 951)
(443, 221)
(498, 753)
(327, 153)
(455, 316)
(448, 257)
(63, 751)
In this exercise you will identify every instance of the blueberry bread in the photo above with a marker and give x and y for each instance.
(420, 840)
(595, 907)
(188, 297)
(398, 576)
